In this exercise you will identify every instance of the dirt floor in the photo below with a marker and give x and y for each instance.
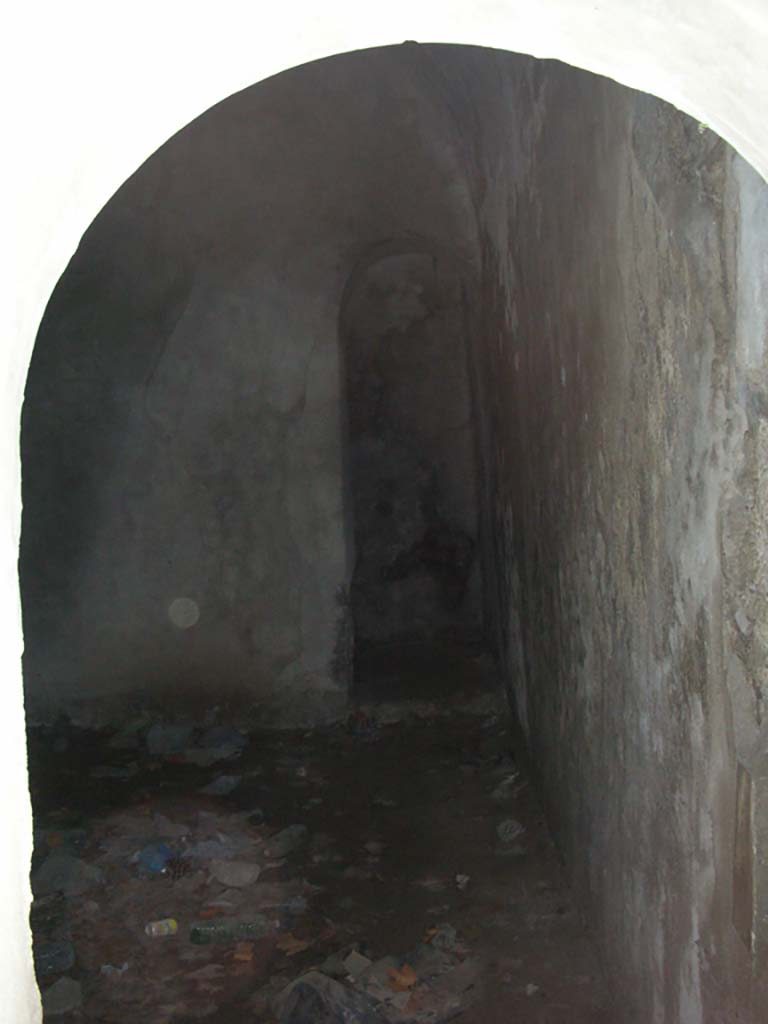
(422, 886)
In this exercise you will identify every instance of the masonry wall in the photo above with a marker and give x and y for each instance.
(621, 368)
(184, 536)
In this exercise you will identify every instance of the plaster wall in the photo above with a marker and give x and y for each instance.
(621, 377)
(184, 535)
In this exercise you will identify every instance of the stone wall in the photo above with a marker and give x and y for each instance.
(619, 355)
(184, 536)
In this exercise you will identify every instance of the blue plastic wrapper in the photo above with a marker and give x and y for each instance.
(153, 859)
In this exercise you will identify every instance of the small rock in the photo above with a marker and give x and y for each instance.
(222, 786)
(400, 1000)
(61, 872)
(333, 965)
(287, 841)
(62, 997)
(356, 963)
(54, 958)
(531, 990)
(110, 971)
(235, 874)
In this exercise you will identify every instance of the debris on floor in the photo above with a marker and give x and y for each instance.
(222, 785)
(330, 880)
(54, 958)
(315, 998)
(62, 997)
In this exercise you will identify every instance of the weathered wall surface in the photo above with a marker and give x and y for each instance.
(183, 531)
(413, 481)
(744, 562)
(619, 359)
(80, 142)
(621, 367)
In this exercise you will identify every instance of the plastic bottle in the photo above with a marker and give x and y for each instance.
(165, 926)
(204, 932)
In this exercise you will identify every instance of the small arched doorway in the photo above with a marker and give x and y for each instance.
(416, 585)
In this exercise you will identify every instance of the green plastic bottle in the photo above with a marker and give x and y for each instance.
(202, 933)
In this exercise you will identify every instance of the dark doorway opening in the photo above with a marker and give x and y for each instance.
(416, 586)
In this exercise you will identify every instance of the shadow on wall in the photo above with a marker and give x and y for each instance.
(411, 465)
(182, 462)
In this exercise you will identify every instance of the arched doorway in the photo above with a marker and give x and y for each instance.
(416, 589)
(714, 36)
